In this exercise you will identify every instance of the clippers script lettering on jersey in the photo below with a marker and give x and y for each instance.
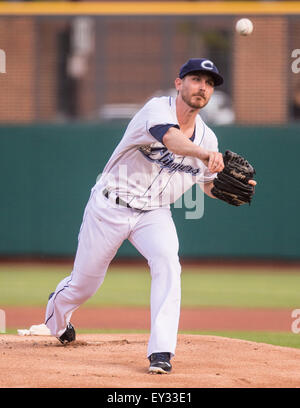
(166, 159)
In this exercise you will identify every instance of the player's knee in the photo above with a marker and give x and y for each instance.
(165, 259)
(81, 293)
(164, 250)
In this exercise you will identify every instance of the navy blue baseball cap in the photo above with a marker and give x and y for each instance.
(201, 65)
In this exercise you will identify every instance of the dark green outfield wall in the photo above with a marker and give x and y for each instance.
(47, 173)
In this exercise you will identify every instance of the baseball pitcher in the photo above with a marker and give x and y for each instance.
(165, 150)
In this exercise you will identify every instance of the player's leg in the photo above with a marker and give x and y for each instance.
(102, 232)
(155, 237)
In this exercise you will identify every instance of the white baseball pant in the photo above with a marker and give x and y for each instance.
(104, 227)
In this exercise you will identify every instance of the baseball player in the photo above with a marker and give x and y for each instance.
(165, 150)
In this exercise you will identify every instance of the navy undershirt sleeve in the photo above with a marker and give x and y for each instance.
(159, 131)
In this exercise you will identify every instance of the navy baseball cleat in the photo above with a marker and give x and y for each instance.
(68, 336)
(160, 363)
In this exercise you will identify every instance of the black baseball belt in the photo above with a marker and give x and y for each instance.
(117, 200)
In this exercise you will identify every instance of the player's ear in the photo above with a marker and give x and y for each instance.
(177, 82)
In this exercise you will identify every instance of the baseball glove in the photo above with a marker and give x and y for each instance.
(231, 184)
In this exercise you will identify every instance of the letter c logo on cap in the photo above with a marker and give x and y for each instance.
(207, 64)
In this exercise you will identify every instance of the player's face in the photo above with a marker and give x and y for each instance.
(195, 89)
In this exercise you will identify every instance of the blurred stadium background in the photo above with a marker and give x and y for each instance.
(76, 72)
(72, 82)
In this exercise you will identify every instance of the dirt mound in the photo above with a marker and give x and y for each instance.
(119, 361)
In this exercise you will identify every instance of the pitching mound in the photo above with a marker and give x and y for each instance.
(119, 361)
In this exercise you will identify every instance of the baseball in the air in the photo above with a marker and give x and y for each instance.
(244, 26)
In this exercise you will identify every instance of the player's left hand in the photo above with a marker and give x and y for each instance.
(235, 184)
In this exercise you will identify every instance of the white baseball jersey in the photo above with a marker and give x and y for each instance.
(143, 172)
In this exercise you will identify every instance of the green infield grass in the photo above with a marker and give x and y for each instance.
(30, 285)
(283, 339)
